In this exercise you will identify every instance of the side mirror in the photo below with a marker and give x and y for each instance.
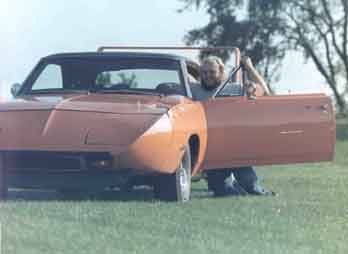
(15, 89)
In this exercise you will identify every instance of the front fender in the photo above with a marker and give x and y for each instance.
(161, 147)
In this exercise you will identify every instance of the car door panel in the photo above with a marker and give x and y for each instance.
(269, 130)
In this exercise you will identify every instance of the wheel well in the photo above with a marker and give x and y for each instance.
(194, 149)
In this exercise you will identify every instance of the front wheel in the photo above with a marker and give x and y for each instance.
(176, 186)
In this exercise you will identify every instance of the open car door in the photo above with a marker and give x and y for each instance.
(269, 130)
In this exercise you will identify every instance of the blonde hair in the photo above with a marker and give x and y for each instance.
(217, 60)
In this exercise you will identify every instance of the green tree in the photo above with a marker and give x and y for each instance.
(267, 29)
(129, 80)
(103, 78)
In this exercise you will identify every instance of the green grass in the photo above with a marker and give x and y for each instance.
(310, 215)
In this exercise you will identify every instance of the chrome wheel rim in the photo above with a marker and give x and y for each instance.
(184, 183)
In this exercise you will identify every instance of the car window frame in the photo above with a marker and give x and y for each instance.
(37, 70)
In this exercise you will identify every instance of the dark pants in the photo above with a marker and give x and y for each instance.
(247, 180)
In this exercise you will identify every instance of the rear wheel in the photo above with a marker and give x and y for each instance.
(176, 186)
(3, 181)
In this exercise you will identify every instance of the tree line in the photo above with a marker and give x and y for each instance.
(267, 30)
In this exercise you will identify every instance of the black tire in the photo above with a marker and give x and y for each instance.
(3, 181)
(72, 192)
(216, 181)
(176, 186)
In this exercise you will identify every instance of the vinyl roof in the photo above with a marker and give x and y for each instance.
(116, 55)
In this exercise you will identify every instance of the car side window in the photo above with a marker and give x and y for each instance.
(50, 78)
(231, 89)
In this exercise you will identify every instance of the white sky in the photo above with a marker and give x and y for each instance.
(30, 29)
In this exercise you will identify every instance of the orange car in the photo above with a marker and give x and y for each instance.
(93, 120)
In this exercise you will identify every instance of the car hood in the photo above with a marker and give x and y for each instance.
(101, 103)
(79, 122)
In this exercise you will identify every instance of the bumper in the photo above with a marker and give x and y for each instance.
(59, 170)
(47, 161)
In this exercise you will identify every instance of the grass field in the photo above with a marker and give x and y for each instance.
(310, 215)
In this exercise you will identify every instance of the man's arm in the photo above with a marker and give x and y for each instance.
(255, 76)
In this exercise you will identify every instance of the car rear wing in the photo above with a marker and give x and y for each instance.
(206, 49)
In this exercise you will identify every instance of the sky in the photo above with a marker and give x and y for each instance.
(31, 29)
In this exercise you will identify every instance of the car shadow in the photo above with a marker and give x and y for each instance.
(138, 194)
(144, 194)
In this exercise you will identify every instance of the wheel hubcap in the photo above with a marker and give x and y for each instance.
(184, 188)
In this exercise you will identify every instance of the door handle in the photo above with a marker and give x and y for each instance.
(324, 108)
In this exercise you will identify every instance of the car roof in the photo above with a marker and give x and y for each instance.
(116, 55)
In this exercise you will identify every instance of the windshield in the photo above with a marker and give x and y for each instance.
(144, 76)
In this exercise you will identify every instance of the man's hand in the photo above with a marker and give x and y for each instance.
(254, 75)
(251, 89)
(248, 64)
